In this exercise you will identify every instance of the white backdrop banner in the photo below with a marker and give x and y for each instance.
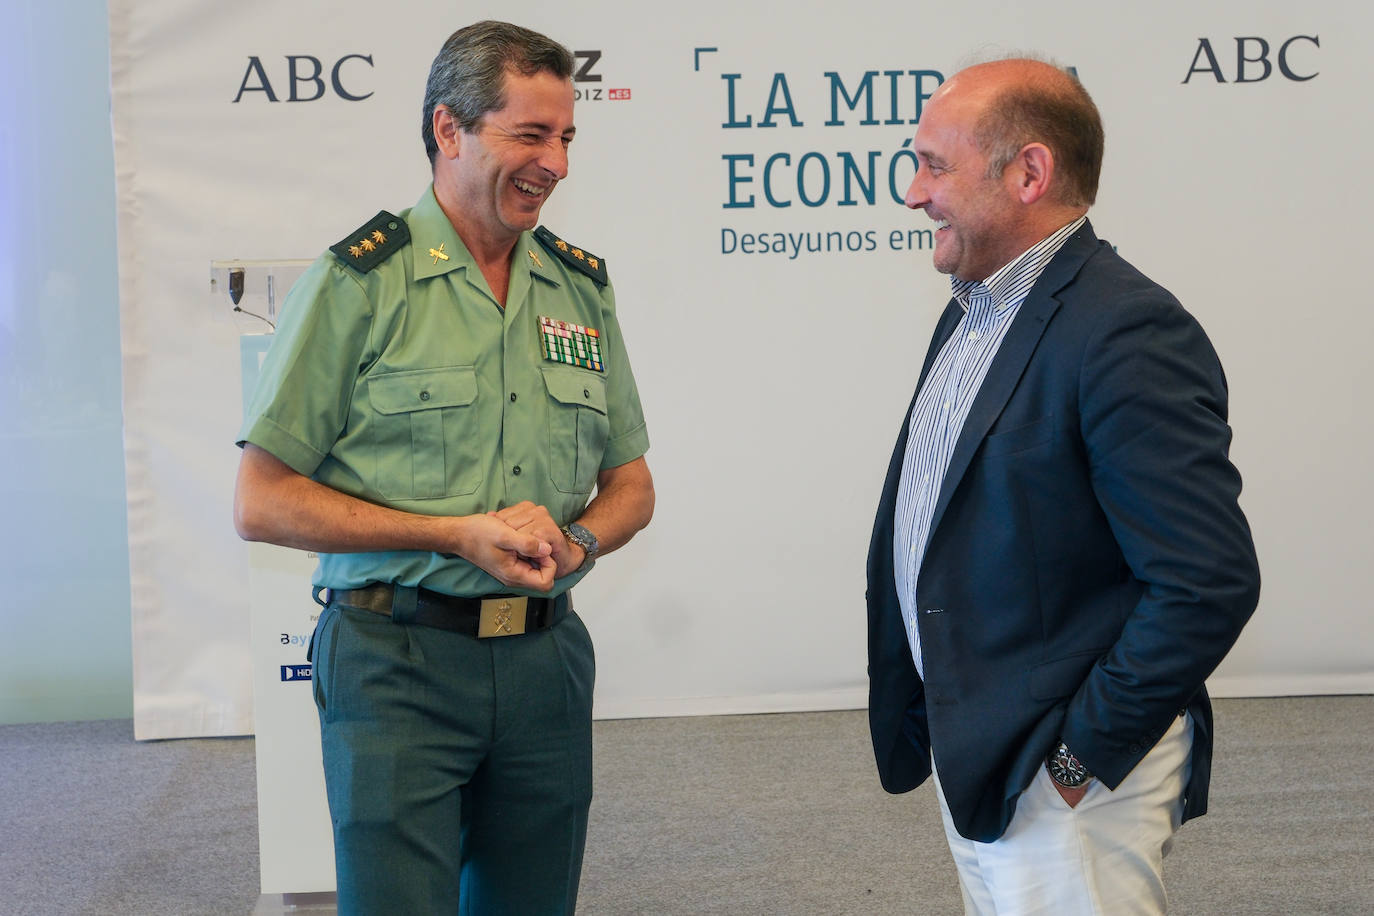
(742, 174)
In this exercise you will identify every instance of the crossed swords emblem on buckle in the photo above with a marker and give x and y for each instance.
(503, 617)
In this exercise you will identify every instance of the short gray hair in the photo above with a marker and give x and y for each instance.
(468, 75)
(1057, 112)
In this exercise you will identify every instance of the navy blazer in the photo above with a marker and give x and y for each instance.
(1088, 565)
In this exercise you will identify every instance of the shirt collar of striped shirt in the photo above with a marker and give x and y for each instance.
(1010, 285)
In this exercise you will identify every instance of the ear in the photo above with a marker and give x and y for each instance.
(1031, 172)
(447, 133)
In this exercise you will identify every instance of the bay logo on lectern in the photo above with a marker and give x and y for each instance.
(301, 78)
(295, 672)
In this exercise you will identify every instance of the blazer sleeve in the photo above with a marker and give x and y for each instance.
(1153, 415)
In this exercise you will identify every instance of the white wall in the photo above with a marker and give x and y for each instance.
(1267, 187)
(64, 611)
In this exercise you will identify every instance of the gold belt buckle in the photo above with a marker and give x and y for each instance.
(502, 617)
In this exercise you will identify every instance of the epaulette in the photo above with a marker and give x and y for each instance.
(373, 242)
(584, 261)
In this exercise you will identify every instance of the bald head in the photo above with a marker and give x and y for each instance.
(1017, 101)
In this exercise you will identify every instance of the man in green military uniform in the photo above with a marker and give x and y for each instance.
(445, 392)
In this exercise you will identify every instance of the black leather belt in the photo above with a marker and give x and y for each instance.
(483, 618)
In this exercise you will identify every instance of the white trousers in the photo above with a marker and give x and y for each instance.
(1104, 857)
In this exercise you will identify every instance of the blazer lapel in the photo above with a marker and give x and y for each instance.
(1012, 356)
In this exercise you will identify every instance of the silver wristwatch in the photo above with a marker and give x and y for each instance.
(584, 539)
(1065, 768)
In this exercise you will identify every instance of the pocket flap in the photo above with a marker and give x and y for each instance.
(422, 389)
(1019, 439)
(576, 389)
(1062, 677)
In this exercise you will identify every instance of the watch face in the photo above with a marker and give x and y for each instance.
(584, 538)
(1065, 768)
(1067, 778)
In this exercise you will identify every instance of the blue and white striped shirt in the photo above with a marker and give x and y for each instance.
(943, 404)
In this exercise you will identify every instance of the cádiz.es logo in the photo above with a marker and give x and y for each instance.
(586, 80)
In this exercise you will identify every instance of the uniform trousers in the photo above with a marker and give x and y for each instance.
(458, 770)
(1102, 857)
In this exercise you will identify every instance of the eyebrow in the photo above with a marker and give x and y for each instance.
(542, 128)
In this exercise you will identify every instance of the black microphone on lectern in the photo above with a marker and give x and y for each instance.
(236, 285)
(236, 295)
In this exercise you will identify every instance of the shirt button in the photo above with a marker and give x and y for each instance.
(515, 470)
(973, 335)
(424, 395)
(512, 397)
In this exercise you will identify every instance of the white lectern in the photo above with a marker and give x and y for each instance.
(295, 842)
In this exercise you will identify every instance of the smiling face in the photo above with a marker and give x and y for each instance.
(510, 163)
(977, 218)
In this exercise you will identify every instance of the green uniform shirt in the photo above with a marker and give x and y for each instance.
(407, 385)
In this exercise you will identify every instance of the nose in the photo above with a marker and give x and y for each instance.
(555, 159)
(916, 196)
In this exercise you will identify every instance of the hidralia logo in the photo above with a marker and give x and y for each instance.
(585, 74)
(295, 672)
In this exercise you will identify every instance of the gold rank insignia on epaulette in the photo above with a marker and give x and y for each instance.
(373, 242)
(584, 261)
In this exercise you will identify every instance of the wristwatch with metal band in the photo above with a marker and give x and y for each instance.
(584, 539)
(1065, 768)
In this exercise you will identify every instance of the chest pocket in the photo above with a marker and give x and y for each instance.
(424, 437)
(578, 428)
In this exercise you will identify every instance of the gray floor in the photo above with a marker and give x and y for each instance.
(777, 814)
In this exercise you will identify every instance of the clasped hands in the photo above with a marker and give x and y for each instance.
(522, 546)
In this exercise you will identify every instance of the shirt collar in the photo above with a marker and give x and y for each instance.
(1010, 284)
(438, 248)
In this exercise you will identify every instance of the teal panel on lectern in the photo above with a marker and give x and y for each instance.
(252, 349)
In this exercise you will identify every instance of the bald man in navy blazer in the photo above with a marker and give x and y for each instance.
(1059, 559)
